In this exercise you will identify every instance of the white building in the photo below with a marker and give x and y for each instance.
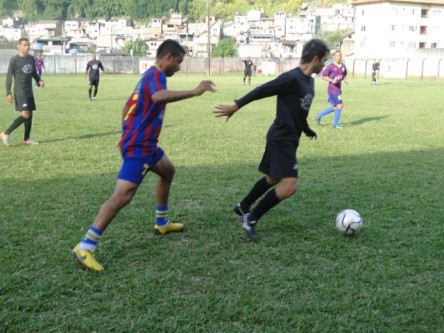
(397, 28)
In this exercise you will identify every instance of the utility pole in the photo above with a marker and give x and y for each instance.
(209, 38)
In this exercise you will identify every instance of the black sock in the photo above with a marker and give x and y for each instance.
(89, 92)
(256, 192)
(95, 92)
(17, 122)
(269, 201)
(28, 126)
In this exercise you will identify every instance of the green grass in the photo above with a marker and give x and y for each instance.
(302, 276)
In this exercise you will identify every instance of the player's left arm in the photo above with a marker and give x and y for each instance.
(302, 116)
(101, 67)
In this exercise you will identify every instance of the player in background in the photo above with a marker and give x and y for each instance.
(335, 74)
(142, 121)
(375, 70)
(248, 69)
(22, 69)
(295, 92)
(93, 68)
(39, 66)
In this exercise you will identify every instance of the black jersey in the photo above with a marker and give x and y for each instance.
(22, 69)
(248, 65)
(94, 66)
(295, 93)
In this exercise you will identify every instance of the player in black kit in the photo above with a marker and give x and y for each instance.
(22, 69)
(247, 71)
(93, 67)
(295, 92)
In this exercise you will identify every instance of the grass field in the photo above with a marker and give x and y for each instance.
(301, 276)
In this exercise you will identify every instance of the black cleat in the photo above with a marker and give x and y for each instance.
(239, 211)
(248, 226)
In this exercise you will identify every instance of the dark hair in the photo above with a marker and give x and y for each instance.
(169, 46)
(313, 48)
(23, 39)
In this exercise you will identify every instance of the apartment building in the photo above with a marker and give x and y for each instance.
(392, 28)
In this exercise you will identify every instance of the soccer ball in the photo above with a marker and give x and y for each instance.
(348, 222)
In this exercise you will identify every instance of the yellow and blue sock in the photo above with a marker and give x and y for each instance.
(161, 216)
(92, 237)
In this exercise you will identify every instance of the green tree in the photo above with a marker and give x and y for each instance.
(333, 39)
(225, 48)
(139, 47)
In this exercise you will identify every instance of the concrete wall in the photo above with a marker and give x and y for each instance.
(390, 68)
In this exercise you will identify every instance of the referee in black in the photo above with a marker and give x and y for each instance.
(22, 69)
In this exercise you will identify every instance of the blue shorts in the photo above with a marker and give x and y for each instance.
(334, 99)
(135, 169)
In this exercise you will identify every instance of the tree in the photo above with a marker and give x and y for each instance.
(139, 47)
(225, 48)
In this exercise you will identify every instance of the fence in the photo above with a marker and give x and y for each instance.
(390, 68)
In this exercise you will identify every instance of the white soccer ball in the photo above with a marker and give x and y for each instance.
(348, 222)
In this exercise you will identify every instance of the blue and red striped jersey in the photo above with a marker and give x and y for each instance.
(142, 118)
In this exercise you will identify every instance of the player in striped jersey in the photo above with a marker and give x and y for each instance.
(142, 120)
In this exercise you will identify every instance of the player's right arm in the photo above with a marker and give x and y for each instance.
(280, 85)
(169, 96)
(9, 76)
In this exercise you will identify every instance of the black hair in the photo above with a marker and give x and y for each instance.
(169, 46)
(23, 39)
(313, 48)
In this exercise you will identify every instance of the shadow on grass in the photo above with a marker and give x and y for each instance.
(366, 120)
(82, 137)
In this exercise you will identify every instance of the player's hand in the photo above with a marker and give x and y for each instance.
(204, 86)
(9, 98)
(225, 110)
(311, 134)
(345, 81)
(41, 84)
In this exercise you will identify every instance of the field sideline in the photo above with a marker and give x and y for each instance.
(302, 276)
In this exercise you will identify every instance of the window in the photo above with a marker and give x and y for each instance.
(423, 30)
(411, 45)
(363, 28)
(412, 28)
(422, 45)
(436, 12)
(393, 27)
(424, 13)
(392, 44)
(434, 45)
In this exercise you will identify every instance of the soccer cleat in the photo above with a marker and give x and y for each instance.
(30, 142)
(337, 127)
(318, 119)
(93, 98)
(170, 227)
(248, 226)
(5, 139)
(239, 211)
(86, 258)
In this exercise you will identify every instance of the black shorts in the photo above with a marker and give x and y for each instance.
(279, 161)
(94, 83)
(247, 72)
(24, 103)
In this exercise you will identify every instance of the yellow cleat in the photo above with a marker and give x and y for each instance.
(170, 227)
(86, 258)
